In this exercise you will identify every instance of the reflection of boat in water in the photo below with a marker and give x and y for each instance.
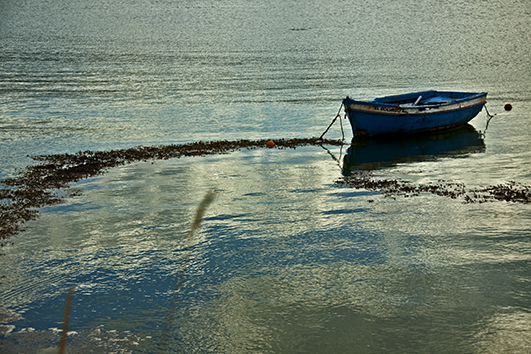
(370, 154)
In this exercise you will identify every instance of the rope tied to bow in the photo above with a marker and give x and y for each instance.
(488, 120)
(338, 115)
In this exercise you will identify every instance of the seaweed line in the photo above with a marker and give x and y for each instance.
(508, 192)
(39, 185)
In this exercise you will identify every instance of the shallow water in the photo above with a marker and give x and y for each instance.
(286, 260)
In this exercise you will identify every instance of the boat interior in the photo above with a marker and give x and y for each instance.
(426, 98)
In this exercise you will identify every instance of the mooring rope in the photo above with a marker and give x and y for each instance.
(342, 131)
(488, 120)
(338, 115)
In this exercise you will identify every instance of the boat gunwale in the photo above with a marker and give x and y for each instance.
(401, 108)
(388, 109)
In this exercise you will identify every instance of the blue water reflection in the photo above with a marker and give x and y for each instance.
(371, 154)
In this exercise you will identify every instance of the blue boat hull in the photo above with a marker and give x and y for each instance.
(419, 112)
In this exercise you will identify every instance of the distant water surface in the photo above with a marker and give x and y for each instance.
(285, 261)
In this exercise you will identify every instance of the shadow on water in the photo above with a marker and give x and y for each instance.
(374, 154)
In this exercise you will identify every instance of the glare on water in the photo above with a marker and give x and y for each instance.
(285, 260)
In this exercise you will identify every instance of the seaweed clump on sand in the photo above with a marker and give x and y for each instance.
(509, 192)
(37, 185)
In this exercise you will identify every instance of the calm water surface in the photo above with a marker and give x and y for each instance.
(286, 261)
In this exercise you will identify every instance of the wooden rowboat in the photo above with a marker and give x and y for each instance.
(418, 112)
